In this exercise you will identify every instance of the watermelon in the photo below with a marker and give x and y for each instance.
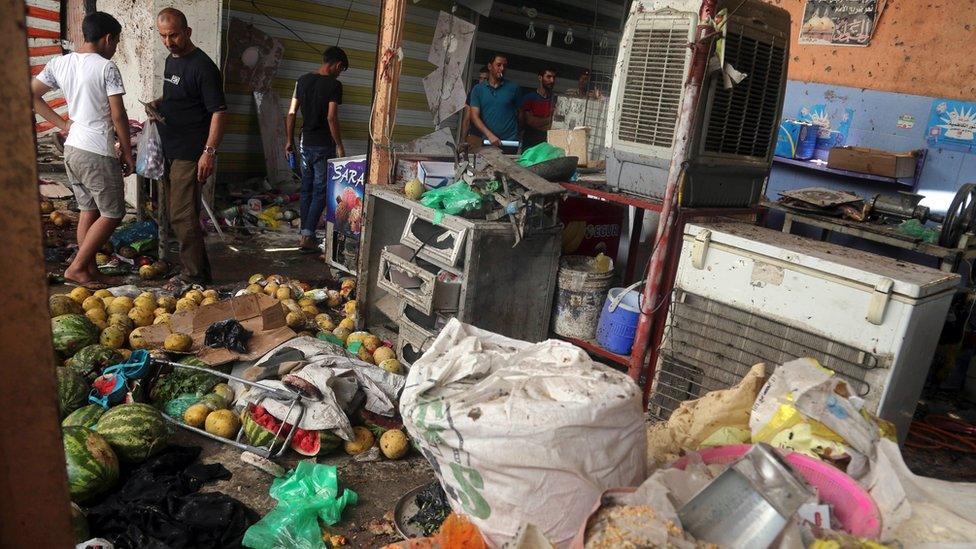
(136, 431)
(72, 391)
(93, 468)
(86, 416)
(260, 427)
(91, 360)
(329, 441)
(306, 443)
(72, 332)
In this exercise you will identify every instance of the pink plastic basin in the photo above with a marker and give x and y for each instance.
(851, 505)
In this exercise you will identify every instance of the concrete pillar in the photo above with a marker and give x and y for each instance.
(34, 505)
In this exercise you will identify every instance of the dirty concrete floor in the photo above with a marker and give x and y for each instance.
(378, 484)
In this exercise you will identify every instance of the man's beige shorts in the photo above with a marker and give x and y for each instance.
(96, 181)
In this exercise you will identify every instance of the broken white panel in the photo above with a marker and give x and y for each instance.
(252, 56)
(481, 6)
(445, 96)
(440, 142)
(451, 44)
(272, 136)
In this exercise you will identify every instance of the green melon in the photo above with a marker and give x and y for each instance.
(136, 431)
(72, 391)
(330, 442)
(86, 416)
(93, 467)
(91, 360)
(71, 332)
(63, 305)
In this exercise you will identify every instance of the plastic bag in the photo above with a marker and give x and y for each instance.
(540, 153)
(452, 199)
(149, 161)
(308, 494)
(228, 333)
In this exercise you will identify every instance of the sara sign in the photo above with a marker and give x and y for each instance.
(346, 187)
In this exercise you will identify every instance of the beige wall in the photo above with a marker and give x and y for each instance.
(922, 48)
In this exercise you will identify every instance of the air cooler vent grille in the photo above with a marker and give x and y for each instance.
(653, 83)
(710, 346)
(742, 118)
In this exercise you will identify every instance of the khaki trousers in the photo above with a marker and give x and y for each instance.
(180, 197)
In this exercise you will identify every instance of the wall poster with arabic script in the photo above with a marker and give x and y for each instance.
(839, 22)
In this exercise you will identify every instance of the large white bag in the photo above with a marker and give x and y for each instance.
(523, 433)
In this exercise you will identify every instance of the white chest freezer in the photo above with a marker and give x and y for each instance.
(746, 294)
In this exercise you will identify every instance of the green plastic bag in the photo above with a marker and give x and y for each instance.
(452, 199)
(309, 493)
(540, 153)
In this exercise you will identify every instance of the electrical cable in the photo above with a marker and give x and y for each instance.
(287, 28)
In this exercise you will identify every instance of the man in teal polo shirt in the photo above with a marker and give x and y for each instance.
(494, 104)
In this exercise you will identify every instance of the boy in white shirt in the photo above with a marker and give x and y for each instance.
(93, 89)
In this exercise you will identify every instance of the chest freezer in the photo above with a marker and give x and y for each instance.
(746, 294)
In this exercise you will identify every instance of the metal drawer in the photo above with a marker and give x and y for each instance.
(415, 283)
(412, 343)
(419, 321)
(438, 242)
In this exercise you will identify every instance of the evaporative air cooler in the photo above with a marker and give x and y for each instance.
(745, 294)
(734, 130)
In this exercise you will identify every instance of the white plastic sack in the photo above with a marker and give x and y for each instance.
(521, 432)
(149, 159)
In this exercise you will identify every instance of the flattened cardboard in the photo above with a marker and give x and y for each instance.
(262, 315)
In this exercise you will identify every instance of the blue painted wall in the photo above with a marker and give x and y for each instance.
(875, 125)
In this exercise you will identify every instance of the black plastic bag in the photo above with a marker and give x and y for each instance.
(229, 334)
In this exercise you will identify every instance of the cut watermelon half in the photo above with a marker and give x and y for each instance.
(306, 443)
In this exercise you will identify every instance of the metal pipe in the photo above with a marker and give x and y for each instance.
(652, 290)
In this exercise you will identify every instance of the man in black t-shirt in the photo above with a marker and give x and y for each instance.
(318, 95)
(194, 110)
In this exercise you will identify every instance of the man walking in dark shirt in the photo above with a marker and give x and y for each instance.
(318, 94)
(194, 110)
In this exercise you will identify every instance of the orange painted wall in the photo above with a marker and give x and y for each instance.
(921, 47)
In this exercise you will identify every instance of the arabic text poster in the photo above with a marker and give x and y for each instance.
(838, 22)
(346, 187)
(952, 125)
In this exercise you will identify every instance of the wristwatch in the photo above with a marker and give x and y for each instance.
(210, 150)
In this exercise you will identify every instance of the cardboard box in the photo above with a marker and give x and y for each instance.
(260, 314)
(574, 142)
(872, 161)
(435, 174)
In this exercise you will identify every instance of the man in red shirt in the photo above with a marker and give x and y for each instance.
(537, 108)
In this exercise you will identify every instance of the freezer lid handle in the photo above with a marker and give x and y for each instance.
(700, 248)
(879, 301)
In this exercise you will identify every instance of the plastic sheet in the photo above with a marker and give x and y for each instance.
(308, 494)
(158, 506)
(540, 153)
(452, 199)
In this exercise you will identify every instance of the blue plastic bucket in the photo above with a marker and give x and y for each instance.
(807, 142)
(618, 321)
(824, 144)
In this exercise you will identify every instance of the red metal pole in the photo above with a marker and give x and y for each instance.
(669, 210)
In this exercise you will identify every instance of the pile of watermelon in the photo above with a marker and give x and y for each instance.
(95, 440)
(260, 428)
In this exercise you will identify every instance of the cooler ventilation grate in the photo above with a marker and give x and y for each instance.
(742, 118)
(653, 82)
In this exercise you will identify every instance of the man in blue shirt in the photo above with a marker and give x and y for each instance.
(494, 104)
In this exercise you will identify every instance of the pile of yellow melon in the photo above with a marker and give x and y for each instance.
(121, 319)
